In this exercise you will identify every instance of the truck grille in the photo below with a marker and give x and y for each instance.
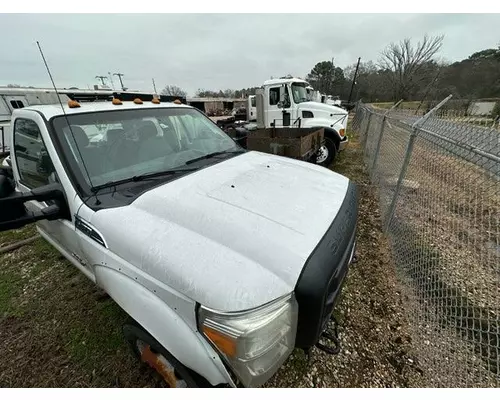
(324, 272)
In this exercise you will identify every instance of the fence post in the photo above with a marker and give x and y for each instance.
(382, 128)
(409, 149)
(365, 139)
(3, 140)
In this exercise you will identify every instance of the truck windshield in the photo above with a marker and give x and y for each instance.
(299, 92)
(111, 146)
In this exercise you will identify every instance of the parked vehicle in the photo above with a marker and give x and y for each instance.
(224, 259)
(333, 101)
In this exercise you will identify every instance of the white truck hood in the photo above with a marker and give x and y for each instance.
(232, 236)
(322, 108)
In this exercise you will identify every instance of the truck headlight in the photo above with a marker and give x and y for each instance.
(255, 342)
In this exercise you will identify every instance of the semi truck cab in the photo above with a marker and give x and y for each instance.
(286, 103)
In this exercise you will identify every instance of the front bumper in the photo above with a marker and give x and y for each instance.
(343, 143)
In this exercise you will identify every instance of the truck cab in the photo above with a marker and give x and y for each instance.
(224, 259)
(286, 103)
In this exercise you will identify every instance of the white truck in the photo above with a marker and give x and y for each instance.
(285, 103)
(333, 100)
(224, 259)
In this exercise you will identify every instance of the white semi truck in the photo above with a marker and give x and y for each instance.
(285, 103)
(292, 102)
(224, 259)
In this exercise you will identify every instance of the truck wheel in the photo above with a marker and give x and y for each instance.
(152, 353)
(327, 153)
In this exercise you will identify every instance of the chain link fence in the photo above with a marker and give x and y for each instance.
(439, 190)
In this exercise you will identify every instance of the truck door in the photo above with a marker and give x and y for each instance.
(33, 167)
(278, 106)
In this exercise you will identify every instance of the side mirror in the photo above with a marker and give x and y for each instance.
(14, 215)
(44, 164)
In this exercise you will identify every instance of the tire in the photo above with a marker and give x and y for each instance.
(150, 352)
(332, 151)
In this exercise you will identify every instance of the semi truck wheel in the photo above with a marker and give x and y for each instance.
(153, 354)
(327, 153)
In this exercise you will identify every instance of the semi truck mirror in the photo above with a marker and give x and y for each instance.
(44, 163)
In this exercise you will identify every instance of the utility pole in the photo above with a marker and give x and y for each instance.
(119, 75)
(333, 76)
(102, 77)
(154, 86)
(354, 80)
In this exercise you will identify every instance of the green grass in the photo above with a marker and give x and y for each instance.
(17, 269)
(49, 308)
(96, 335)
(10, 287)
(16, 235)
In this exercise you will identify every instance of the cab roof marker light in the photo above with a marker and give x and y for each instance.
(116, 102)
(177, 101)
(73, 104)
(155, 101)
(137, 100)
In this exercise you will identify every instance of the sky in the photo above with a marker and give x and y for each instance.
(216, 51)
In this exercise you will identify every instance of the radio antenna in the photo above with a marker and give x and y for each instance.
(154, 86)
(65, 116)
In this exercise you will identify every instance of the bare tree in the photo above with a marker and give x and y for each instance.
(172, 90)
(406, 60)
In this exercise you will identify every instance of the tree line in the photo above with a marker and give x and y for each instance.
(408, 70)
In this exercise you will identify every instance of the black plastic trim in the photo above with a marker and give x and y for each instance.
(322, 277)
(89, 231)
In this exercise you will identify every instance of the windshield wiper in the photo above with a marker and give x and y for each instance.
(214, 154)
(137, 178)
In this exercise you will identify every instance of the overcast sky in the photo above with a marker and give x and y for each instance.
(216, 51)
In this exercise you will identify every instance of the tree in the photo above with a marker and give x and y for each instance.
(324, 76)
(172, 90)
(405, 60)
(13, 85)
(486, 54)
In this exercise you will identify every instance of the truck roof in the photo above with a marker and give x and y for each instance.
(53, 110)
(284, 80)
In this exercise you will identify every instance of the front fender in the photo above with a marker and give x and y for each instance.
(164, 324)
